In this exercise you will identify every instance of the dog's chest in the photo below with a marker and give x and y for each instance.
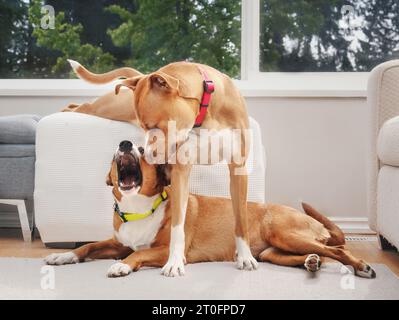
(141, 233)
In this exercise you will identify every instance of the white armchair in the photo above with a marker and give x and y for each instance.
(73, 155)
(383, 101)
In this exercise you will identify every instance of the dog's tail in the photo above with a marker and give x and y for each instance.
(337, 236)
(91, 77)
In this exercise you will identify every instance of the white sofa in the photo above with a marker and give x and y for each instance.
(73, 154)
(383, 102)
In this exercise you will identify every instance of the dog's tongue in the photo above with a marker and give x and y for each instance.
(127, 182)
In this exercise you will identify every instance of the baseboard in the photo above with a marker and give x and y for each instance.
(353, 224)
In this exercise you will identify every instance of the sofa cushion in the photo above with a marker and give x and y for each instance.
(17, 178)
(18, 129)
(388, 142)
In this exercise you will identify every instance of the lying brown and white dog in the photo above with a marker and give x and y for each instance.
(142, 223)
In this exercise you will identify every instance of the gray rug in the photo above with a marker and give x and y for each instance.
(22, 279)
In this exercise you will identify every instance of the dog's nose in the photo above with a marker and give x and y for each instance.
(125, 146)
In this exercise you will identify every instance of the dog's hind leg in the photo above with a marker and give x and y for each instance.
(108, 249)
(311, 262)
(300, 244)
(80, 108)
(70, 108)
(111, 106)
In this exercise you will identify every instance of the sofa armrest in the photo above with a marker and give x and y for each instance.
(18, 129)
(388, 143)
(383, 104)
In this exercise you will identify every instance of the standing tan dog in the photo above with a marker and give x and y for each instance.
(181, 93)
(143, 221)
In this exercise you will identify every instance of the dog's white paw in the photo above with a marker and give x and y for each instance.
(174, 267)
(61, 258)
(312, 263)
(245, 260)
(119, 269)
(247, 263)
(366, 272)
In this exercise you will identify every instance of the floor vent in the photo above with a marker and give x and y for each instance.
(361, 238)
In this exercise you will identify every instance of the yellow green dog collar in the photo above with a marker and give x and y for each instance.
(128, 216)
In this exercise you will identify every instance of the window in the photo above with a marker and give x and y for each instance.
(242, 38)
(327, 35)
(105, 34)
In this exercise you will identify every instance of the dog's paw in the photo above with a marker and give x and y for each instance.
(61, 258)
(119, 269)
(366, 271)
(312, 263)
(247, 263)
(245, 260)
(174, 267)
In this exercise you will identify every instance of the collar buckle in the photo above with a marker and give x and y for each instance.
(208, 89)
(164, 195)
(209, 86)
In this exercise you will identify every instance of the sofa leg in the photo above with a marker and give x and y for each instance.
(23, 217)
(384, 243)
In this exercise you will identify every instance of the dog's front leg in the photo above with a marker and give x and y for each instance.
(178, 206)
(97, 250)
(238, 191)
(151, 257)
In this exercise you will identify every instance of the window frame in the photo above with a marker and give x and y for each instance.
(345, 84)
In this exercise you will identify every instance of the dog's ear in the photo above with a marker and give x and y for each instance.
(108, 179)
(164, 81)
(130, 83)
(166, 84)
(163, 174)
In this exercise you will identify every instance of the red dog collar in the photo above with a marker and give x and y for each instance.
(209, 88)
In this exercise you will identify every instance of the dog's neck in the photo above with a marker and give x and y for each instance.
(136, 201)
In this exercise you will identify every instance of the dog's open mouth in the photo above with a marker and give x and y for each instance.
(127, 179)
(129, 176)
(129, 173)
(126, 187)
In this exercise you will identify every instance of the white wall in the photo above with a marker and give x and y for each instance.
(316, 151)
(316, 148)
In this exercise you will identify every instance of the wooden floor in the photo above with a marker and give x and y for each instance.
(12, 245)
